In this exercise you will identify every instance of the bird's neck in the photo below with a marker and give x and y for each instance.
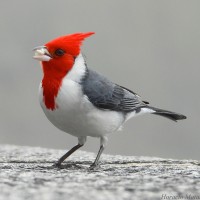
(52, 82)
(78, 70)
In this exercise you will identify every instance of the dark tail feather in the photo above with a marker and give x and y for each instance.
(168, 114)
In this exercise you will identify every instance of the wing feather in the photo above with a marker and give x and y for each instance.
(106, 95)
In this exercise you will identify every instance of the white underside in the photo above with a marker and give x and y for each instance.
(75, 114)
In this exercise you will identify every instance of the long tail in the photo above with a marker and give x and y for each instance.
(168, 114)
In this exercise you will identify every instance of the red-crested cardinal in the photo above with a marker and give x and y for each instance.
(82, 102)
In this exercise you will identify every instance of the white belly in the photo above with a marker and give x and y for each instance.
(76, 115)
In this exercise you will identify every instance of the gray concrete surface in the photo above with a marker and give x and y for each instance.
(27, 173)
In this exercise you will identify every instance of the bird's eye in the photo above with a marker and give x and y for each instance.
(59, 52)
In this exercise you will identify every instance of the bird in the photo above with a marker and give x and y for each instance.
(81, 101)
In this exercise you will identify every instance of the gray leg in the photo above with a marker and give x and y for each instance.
(96, 162)
(72, 150)
(81, 140)
(103, 143)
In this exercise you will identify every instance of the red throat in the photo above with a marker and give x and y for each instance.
(52, 79)
(58, 67)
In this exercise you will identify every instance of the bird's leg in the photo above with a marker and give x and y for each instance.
(72, 150)
(103, 142)
(81, 142)
(96, 162)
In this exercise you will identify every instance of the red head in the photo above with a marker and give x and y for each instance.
(58, 55)
(57, 58)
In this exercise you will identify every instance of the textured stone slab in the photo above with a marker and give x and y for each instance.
(27, 173)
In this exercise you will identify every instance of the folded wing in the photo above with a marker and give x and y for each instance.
(106, 95)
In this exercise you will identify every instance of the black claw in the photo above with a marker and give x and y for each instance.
(94, 166)
(57, 165)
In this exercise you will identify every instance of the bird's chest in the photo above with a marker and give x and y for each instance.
(70, 108)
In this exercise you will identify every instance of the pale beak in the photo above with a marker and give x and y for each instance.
(42, 54)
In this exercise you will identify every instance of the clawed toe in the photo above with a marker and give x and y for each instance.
(94, 166)
(57, 165)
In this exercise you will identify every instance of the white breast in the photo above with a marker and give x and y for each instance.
(75, 114)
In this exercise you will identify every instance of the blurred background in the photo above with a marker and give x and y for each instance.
(151, 47)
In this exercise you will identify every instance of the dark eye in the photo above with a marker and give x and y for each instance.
(59, 52)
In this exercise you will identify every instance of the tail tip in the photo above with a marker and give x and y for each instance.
(182, 117)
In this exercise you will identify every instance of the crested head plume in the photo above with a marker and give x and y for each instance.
(71, 43)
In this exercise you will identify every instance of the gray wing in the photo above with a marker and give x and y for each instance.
(106, 95)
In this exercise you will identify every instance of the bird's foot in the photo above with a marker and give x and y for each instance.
(94, 166)
(57, 165)
(66, 166)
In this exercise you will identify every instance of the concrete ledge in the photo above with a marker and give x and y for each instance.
(27, 173)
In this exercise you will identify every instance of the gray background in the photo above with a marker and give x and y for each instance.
(149, 46)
